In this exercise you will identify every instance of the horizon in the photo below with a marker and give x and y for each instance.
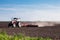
(30, 10)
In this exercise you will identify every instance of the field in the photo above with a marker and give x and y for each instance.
(5, 36)
(51, 32)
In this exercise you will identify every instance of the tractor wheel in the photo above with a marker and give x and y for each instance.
(10, 24)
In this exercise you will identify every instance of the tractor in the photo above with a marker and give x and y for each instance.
(14, 23)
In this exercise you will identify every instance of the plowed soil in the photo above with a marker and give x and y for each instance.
(52, 32)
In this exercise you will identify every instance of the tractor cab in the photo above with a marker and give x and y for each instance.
(14, 20)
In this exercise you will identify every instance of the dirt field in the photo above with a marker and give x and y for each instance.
(53, 32)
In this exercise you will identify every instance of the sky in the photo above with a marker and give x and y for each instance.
(30, 10)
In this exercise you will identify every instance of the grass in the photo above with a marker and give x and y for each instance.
(5, 36)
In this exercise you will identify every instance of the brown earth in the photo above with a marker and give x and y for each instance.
(52, 32)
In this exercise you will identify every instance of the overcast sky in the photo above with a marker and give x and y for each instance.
(30, 10)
